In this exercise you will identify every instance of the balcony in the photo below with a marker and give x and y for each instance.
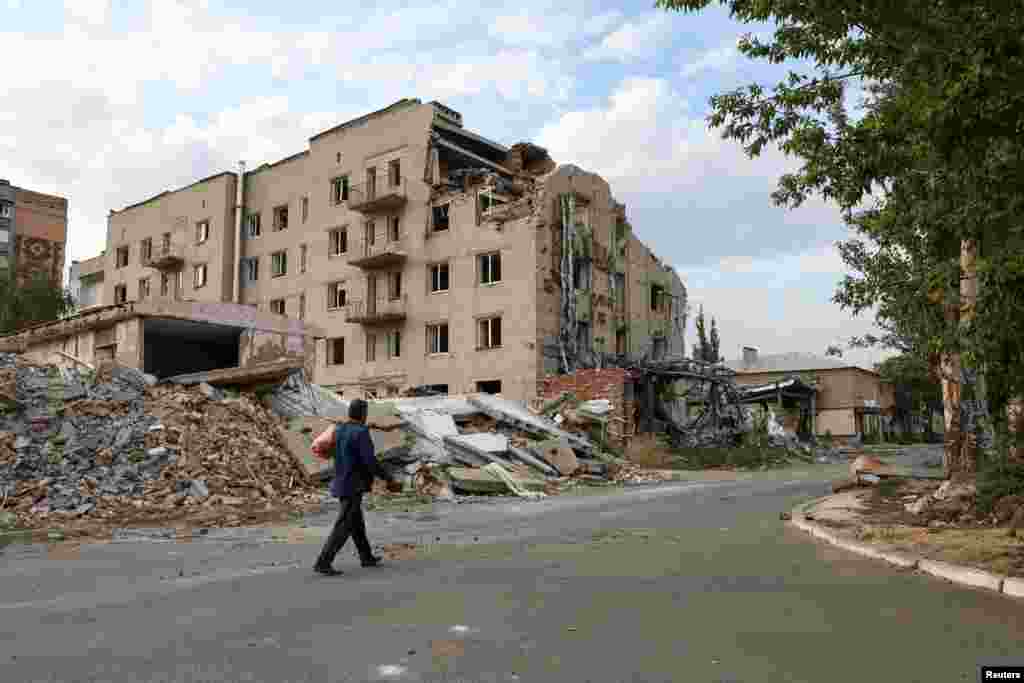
(380, 254)
(166, 257)
(376, 197)
(376, 311)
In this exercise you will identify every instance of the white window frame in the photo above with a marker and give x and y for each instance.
(434, 339)
(488, 258)
(435, 277)
(279, 263)
(485, 333)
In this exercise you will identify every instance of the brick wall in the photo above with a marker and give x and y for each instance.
(592, 385)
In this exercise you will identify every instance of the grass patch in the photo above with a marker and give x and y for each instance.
(989, 549)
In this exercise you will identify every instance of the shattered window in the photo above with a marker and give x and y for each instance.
(165, 284)
(147, 249)
(281, 217)
(490, 200)
(581, 273)
(122, 257)
(489, 268)
(302, 306)
(277, 306)
(144, 288)
(120, 294)
(395, 172)
(303, 255)
(394, 228)
(371, 348)
(441, 214)
(657, 297)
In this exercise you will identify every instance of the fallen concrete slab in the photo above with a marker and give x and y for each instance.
(260, 373)
(474, 480)
(517, 415)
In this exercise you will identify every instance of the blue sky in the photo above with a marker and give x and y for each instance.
(125, 100)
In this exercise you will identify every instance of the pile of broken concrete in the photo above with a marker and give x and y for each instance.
(112, 444)
(474, 444)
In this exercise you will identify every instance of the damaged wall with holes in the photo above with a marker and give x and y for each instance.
(607, 293)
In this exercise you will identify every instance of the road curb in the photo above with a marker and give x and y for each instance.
(964, 576)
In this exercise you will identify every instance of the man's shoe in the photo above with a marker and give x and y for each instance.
(371, 561)
(327, 571)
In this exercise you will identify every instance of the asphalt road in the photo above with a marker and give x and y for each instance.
(696, 581)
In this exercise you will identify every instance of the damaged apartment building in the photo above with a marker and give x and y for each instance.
(408, 251)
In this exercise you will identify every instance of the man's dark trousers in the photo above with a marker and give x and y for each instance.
(350, 523)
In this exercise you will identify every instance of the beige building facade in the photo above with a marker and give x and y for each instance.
(425, 253)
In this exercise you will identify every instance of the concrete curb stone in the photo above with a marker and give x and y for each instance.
(1013, 586)
(964, 576)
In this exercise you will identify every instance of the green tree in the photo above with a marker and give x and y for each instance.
(928, 177)
(916, 386)
(31, 301)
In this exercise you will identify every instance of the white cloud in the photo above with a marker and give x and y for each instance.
(634, 40)
(778, 314)
(549, 30)
(600, 24)
(716, 59)
(91, 12)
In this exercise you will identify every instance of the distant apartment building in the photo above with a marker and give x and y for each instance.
(33, 232)
(428, 255)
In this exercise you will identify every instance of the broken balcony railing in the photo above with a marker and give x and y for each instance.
(384, 250)
(376, 196)
(375, 311)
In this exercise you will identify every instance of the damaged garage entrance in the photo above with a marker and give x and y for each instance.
(175, 347)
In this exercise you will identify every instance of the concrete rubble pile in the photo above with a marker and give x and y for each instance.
(443, 446)
(114, 445)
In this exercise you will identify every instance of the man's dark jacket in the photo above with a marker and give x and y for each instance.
(355, 464)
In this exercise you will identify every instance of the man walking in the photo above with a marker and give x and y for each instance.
(355, 467)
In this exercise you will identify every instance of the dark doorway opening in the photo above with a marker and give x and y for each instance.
(179, 347)
(491, 386)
